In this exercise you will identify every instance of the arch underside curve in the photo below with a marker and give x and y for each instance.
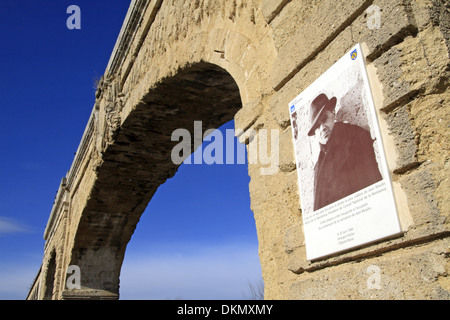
(138, 161)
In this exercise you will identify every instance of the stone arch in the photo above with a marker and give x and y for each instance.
(199, 76)
(139, 161)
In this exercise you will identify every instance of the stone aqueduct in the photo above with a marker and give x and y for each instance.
(176, 62)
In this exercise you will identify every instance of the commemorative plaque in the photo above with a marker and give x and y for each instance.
(344, 182)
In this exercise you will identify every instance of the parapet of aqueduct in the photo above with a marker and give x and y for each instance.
(176, 62)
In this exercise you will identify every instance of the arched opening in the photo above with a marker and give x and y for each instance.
(50, 277)
(197, 238)
(139, 161)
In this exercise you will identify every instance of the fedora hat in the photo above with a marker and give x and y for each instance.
(319, 104)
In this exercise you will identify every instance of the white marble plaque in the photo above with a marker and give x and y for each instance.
(344, 182)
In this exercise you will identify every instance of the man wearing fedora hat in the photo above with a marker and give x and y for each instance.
(346, 162)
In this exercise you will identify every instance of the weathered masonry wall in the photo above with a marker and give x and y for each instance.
(176, 62)
(408, 62)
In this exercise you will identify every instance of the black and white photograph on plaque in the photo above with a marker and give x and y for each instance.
(345, 188)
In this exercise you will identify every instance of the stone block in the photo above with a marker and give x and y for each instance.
(440, 16)
(248, 115)
(270, 8)
(287, 156)
(297, 260)
(313, 36)
(293, 238)
(418, 65)
(279, 104)
(395, 23)
(401, 128)
(412, 273)
(419, 187)
(89, 294)
(290, 18)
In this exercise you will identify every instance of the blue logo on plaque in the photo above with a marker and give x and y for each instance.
(292, 109)
(354, 54)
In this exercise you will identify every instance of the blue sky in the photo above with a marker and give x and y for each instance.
(202, 246)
